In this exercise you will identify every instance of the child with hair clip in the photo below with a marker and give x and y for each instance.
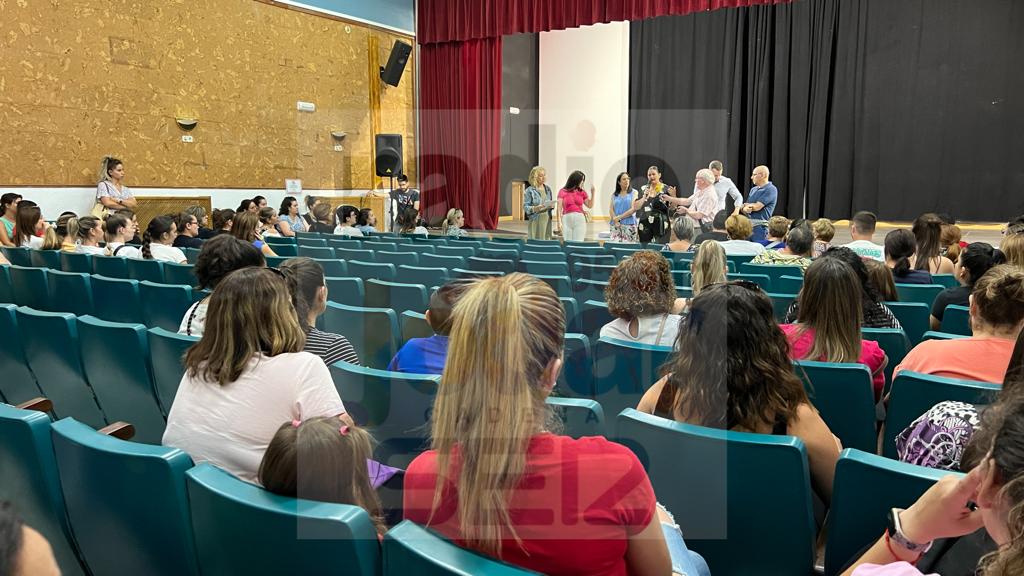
(453, 223)
(326, 460)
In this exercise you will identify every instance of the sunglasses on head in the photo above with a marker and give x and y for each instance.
(752, 286)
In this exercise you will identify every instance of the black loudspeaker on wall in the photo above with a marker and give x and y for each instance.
(389, 155)
(392, 73)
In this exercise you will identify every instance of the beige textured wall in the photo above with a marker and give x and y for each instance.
(84, 78)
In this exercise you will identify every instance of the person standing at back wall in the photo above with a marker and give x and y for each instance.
(761, 202)
(405, 197)
(111, 193)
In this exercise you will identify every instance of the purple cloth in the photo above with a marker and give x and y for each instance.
(380, 473)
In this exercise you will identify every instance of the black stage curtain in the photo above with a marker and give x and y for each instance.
(898, 107)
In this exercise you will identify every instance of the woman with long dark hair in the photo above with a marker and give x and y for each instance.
(621, 209)
(158, 241)
(927, 231)
(971, 264)
(901, 257)
(571, 201)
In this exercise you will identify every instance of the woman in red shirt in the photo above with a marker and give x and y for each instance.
(497, 479)
(571, 201)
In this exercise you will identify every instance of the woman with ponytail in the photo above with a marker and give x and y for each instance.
(453, 223)
(111, 193)
(56, 237)
(306, 283)
(494, 443)
(927, 231)
(85, 234)
(158, 241)
(901, 256)
(119, 230)
(977, 259)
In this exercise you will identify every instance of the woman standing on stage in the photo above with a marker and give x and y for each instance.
(537, 205)
(622, 210)
(654, 220)
(572, 199)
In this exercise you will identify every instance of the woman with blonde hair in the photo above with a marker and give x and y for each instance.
(709, 266)
(247, 375)
(1013, 247)
(642, 297)
(245, 227)
(454, 220)
(538, 203)
(111, 193)
(86, 233)
(881, 279)
(824, 231)
(492, 445)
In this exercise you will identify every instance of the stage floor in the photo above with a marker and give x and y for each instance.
(972, 232)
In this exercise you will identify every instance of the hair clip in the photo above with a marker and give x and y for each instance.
(344, 430)
(295, 423)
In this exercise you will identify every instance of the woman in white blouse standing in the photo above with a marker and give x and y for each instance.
(111, 193)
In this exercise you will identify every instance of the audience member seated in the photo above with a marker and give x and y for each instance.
(323, 219)
(188, 231)
(245, 227)
(289, 221)
(347, 216)
(927, 231)
(119, 229)
(408, 219)
(366, 222)
(261, 203)
(989, 497)
(642, 298)
(739, 229)
(490, 451)
(247, 375)
(797, 252)
(9, 208)
(824, 231)
(977, 259)
(829, 320)
(862, 230)
(130, 214)
(157, 242)
(997, 315)
(1015, 226)
(881, 279)
(248, 205)
(709, 266)
(875, 313)
(939, 437)
(324, 460)
(309, 297)
(1013, 247)
(427, 355)
(718, 232)
(222, 221)
(454, 220)
(205, 232)
(309, 217)
(951, 241)
(730, 370)
(23, 551)
(901, 256)
(220, 256)
(86, 233)
(30, 226)
(57, 236)
(777, 228)
(269, 222)
(682, 236)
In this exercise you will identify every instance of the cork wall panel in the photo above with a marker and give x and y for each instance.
(84, 78)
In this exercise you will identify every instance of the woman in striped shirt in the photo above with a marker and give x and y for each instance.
(305, 279)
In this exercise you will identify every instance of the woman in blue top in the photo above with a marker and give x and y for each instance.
(289, 220)
(538, 204)
(622, 209)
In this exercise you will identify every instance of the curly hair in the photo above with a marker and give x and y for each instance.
(730, 367)
(641, 285)
(222, 255)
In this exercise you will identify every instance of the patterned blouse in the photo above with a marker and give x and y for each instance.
(938, 437)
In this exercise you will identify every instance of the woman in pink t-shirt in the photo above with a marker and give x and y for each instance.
(571, 201)
(829, 321)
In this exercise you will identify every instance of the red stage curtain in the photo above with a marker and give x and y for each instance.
(460, 129)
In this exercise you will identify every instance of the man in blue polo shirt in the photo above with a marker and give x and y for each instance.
(760, 203)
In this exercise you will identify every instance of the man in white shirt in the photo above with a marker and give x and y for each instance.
(725, 188)
(862, 229)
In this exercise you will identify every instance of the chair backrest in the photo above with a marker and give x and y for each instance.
(6, 292)
(368, 270)
(191, 255)
(116, 361)
(913, 394)
(378, 245)
(681, 278)
(560, 284)
(530, 242)
(116, 300)
(285, 250)
(923, 293)
(739, 491)
(17, 256)
(72, 262)
(762, 280)
(396, 407)
(50, 341)
(46, 259)
(152, 270)
(316, 251)
(344, 243)
(844, 396)
(18, 383)
(595, 272)
(579, 416)
(354, 254)
(894, 343)
(623, 371)
(478, 264)
(533, 255)
(30, 287)
(333, 267)
(399, 258)
(461, 274)
(110, 266)
(70, 292)
(314, 241)
(598, 257)
(774, 271)
(577, 377)
(414, 325)
(957, 320)
(456, 250)
(945, 280)
(440, 260)
(347, 291)
(739, 259)
(28, 478)
(934, 335)
(166, 349)
(789, 284)
(373, 332)
(398, 297)
(913, 316)
(163, 305)
(118, 491)
(499, 254)
(416, 248)
(781, 304)
(280, 240)
(421, 275)
(180, 274)
(412, 549)
(543, 268)
(593, 316)
(865, 488)
(584, 290)
(572, 312)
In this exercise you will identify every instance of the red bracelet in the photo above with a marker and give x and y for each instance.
(888, 544)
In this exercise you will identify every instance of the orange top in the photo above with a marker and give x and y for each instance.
(981, 359)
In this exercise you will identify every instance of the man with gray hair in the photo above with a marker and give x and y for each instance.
(702, 205)
(729, 196)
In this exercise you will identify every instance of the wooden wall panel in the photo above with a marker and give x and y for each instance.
(84, 78)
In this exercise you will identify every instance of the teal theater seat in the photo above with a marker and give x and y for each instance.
(166, 357)
(18, 384)
(30, 287)
(923, 293)
(478, 264)
(398, 297)
(70, 292)
(347, 291)
(421, 275)
(456, 251)
(180, 274)
(117, 300)
(73, 262)
(913, 316)
(579, 416)
(593, 272)
(319, 252)
(560, 284)
(553, 255)
(46, 259)
(584, 290)
(593, 316)
(333, 267)
(17, 256)
(164, 305)
(623, 371)
(577, 376)
(414, 325)
(151, 270)
(373, 332)
(894, 343)
(368, 270)
(544, 268)
(844, 397)
(411, 549)
(398, 258)
(110, 266)
(957, 320)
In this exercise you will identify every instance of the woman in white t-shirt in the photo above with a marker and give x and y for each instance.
(219, 256)
(84, 235)
(157, 242)
(247, 375)
(120, 229)
(28, 225)
(642, 297)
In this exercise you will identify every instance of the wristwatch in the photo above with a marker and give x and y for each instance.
(895, 532)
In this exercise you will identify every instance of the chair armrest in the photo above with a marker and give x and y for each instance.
(120, 430)
(37, 404)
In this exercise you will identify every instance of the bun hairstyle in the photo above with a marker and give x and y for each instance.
(450, 219)
(80, 228)
(978, 258)
(222, 217)
(900, 246)
(155, 231)
(106, 165)
(999, 296)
